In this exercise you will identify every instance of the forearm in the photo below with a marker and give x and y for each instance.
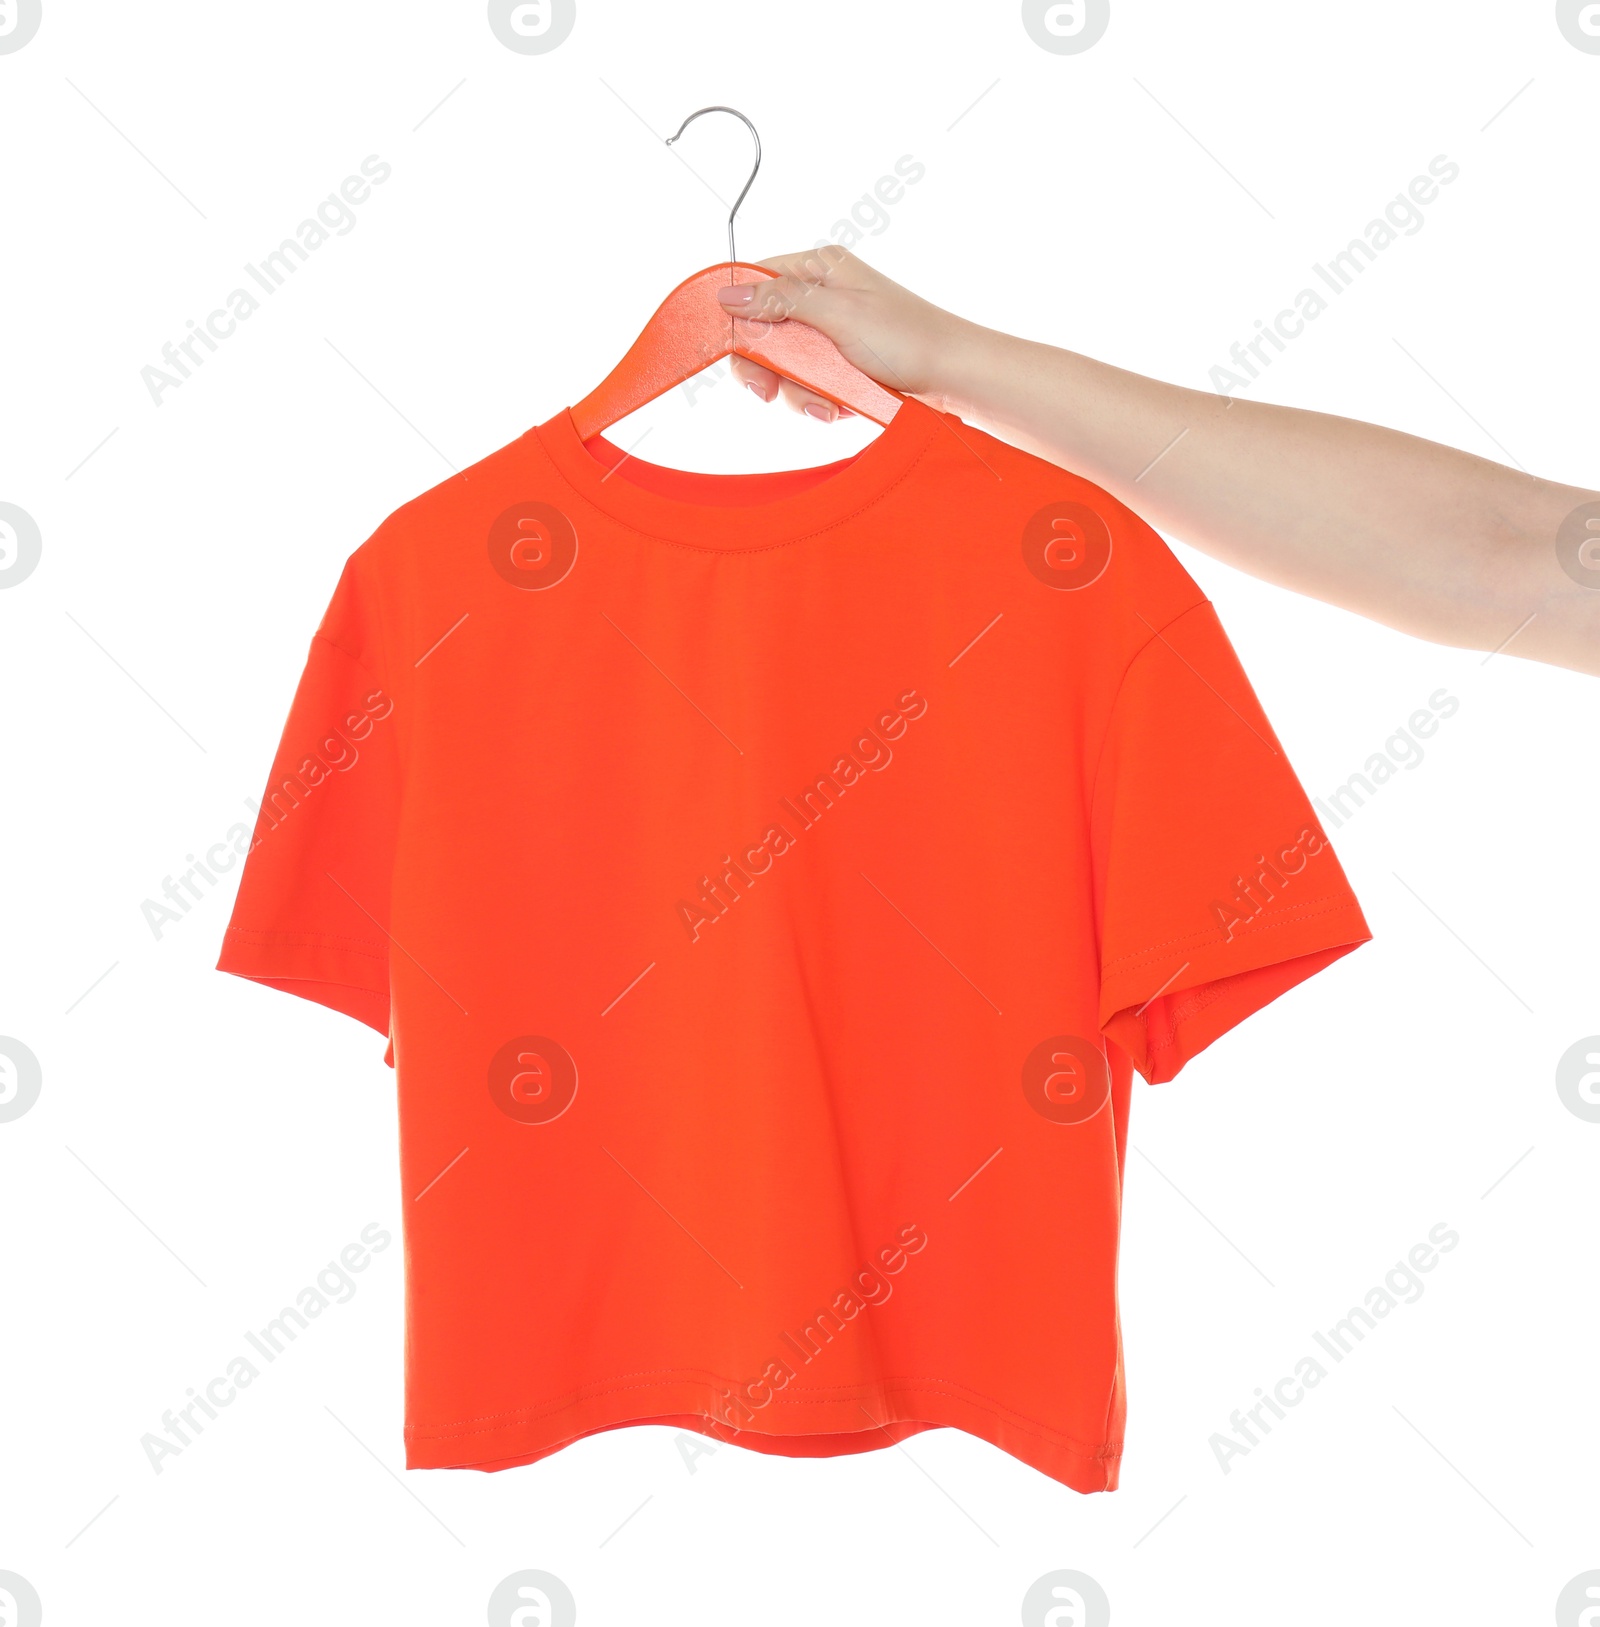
(1425, 538)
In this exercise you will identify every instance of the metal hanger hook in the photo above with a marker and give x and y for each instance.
(732, 256)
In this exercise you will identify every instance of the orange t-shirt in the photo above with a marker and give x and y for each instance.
(769, 884)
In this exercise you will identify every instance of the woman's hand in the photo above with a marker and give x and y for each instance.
(885, 330)
(1424, 538)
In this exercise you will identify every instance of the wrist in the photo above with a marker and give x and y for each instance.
(964, 359)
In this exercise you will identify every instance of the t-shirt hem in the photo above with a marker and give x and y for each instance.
(845, 1420)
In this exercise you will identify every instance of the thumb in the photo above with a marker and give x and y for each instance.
(786, 295)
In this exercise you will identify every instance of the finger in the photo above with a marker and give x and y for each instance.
(769, 300)
(827, 263)
(766, 384)
(761, 381)
(799, 399)
(776, 299)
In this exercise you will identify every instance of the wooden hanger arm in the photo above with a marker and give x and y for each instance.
(691, 330)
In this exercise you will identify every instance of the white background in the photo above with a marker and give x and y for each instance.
(202, 1147)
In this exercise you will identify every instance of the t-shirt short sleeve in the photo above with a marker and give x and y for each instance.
(312, 914)
(1216, 889)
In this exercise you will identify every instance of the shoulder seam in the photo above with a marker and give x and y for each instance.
(349, 655)
(1116, 698)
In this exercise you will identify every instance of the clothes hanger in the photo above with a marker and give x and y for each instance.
(691, 330)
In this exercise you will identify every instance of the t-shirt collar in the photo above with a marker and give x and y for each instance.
(717, 511)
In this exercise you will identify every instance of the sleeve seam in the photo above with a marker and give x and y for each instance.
(367, 948)
(1116, 699)
(364, 562)
(1200, 999)
(1294, 915)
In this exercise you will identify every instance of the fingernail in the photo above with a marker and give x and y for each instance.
(817, 410)
(755, 389)
(737, 294)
